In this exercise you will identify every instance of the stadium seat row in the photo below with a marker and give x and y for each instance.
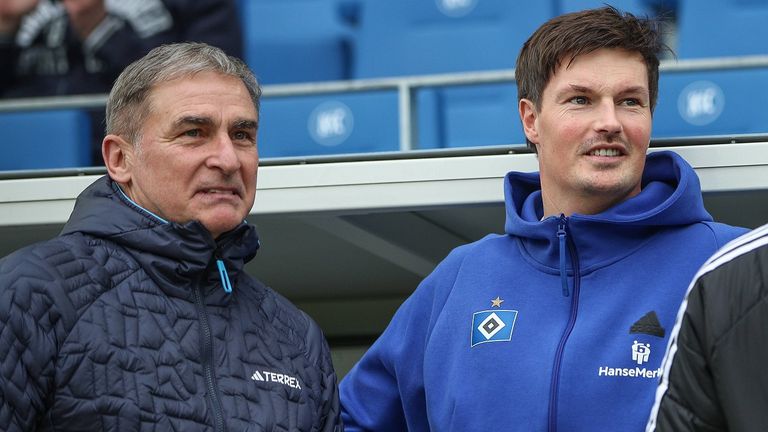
(375, 38)
(289, 41)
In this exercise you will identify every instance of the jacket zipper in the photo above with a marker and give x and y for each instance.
(206, 350)
(225, 283)
(565, 242)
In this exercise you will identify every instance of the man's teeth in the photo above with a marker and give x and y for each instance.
(217, 191)
(605, 152)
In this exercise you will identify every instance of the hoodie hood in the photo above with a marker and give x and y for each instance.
(172, 254)
(670, 197)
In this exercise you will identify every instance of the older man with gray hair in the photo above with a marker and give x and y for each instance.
(139, 316)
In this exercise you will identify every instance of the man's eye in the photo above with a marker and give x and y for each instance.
(579, 100)
(242, 136)
(632, 102)
(192, 133)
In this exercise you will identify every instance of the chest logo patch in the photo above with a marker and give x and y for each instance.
(493, 325)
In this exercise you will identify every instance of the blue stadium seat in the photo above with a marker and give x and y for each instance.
(635, 7)
(288, 41)
(469, 116)
(719, 28)
(45, 139)
(722, 102)
(350, 10)
(329, 124)
(407, 37)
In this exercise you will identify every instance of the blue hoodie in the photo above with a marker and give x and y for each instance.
(558, 325)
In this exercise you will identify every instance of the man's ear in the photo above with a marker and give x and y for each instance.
(528, 116)
(118, 157)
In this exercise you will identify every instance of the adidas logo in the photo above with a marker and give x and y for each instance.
(648, 324)
(286, 380)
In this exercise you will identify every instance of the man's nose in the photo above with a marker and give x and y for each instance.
(224, 155)
(607, 120)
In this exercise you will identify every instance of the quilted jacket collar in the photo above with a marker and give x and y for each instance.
(174, 255)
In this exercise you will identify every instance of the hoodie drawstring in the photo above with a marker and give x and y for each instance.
(563, 271)
(224, 276)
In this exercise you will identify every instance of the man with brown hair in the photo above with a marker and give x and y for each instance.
(561, 323)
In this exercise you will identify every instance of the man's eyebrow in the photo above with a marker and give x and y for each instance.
(245, 124)
(192, 120)
(635, 90)
(579, 88)
(584, 89)
(571, 88)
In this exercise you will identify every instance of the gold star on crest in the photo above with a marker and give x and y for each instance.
(496, 302)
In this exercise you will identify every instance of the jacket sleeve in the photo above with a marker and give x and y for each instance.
(385, 391)
(28, 315)
(329, 419)
(688, 399)
(714, 377)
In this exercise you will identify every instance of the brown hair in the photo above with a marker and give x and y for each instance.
(565, 37)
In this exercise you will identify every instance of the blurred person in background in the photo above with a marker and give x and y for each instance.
(74, 47)
(67, 47)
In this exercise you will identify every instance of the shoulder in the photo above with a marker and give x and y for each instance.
(489, 244)
(701, 237)
(743, 257)
(732, 282)
(45, 289)
(474, 256)
(432, 293)
(61, 277)
(723, 233)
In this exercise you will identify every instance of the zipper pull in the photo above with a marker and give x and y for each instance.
(224, 276)
(561, 235)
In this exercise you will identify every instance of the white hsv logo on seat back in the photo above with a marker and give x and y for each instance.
(456, 8)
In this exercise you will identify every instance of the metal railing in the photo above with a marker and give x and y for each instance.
(406, 87)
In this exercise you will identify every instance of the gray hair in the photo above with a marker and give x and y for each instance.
(127, 103)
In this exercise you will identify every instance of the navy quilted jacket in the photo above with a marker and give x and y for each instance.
(121, 324)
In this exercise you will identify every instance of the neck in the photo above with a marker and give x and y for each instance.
(581, 204)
